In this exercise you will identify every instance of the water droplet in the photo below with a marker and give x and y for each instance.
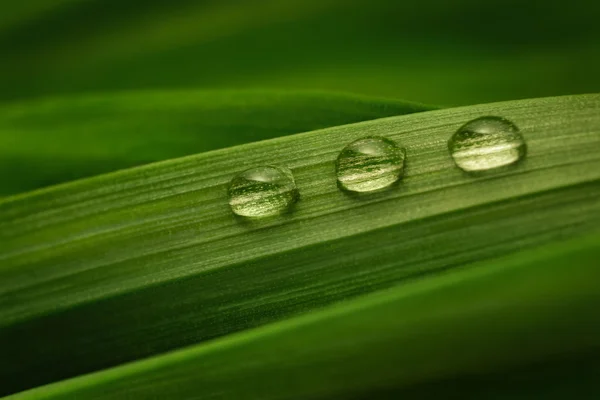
(262, 191)
(369, 164)
(487, 143)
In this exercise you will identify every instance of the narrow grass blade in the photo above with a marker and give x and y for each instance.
(60, 139)
(468, 325)
(150, 259)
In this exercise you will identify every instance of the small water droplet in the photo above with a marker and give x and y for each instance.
(369, 164)
(262, 191)
(487, 143)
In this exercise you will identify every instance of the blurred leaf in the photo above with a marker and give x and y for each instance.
(470, 324)
(146, 260)
(57, 140)
(432, 51)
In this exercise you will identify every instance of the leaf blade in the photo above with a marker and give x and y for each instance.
(55, 140)
(107, 254)
(472, 321)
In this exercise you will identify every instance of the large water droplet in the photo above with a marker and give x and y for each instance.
(369, 164)
(262, 191)
(487, 143)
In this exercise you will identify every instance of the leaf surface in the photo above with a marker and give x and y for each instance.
(150, 259)
(61, 139)
(467, 326)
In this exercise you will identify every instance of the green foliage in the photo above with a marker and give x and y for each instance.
(472, 323)
(149, 259)
(123, 272)
(58, 140)
(430, 51)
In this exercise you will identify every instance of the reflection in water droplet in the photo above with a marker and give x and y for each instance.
(262, 191)
(369, 164)
(487, 143)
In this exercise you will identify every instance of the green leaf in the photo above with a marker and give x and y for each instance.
(470, 325)
(57, 140)
(146, 260)
(431, 51)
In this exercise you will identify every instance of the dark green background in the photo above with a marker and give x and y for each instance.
(432, 51)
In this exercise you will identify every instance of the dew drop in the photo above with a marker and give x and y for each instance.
(262, 191)
(487, 143)
(369, 164)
